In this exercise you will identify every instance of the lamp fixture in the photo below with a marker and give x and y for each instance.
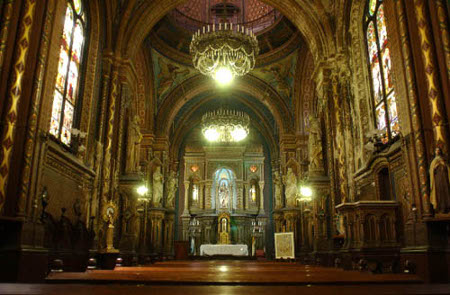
(305, 193)
(224, 51)
(225, 125)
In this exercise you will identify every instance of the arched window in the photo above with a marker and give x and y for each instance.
(68, 77)
(380, 65)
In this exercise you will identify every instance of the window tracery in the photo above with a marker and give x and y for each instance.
(380, 68)
(65, 97)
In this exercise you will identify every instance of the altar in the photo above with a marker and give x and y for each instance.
(224, 249)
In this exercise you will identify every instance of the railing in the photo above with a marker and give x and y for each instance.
(256, 25)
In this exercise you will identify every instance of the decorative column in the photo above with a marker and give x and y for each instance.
(14, 97)
(201, 195)
(246, 198)
(434, 94)
(186, 198)
(31, 135)
(240, 197)
(443, 20)
(208, 204)
(417, 127)
(339, 138)
(261, 198)
(5, 28)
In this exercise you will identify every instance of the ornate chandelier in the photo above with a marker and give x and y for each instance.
(224, 51)
(225, 125)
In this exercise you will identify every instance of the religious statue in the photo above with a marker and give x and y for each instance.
(134, 139)
(172, 185)
(290, 182)
(315, 147)
(224, 225)
(223, 195)
(157, 187)
(277, 184)
(440, 183)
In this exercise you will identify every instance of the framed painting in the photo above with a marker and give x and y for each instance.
(284, 246)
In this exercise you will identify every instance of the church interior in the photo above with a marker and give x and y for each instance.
(213, 142)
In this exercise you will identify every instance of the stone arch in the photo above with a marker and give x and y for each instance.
(261, 124)
(249, 85)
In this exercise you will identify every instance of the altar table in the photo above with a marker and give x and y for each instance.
(234, 250)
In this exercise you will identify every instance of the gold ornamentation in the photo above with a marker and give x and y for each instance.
(434, 94)
(223, 45)
(9, 127)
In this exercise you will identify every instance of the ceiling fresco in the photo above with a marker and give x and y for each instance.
(168, 75)
(280, 75)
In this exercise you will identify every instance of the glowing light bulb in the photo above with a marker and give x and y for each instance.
(211, 134)
(142, 190)
(238, 134)
(223, 76)
(305, 191)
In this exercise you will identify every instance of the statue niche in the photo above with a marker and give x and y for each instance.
(290, 181)
(133, 142)
(315, 147)
(224, 191)
(172, 184)
(158, 180)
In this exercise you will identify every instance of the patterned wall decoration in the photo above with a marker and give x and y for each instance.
(280, 76)
(168, 75)
(14, 96)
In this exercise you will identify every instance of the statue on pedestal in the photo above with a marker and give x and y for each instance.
(134, 139)
(157, 187)
(277, 184)
(290, 182)
(223, 195)
(440, 183)
(172, 185)
(315, 147)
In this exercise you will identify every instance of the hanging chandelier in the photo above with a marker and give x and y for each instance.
(225, 125)
(224, 51)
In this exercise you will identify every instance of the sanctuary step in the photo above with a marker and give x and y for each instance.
(230, 273)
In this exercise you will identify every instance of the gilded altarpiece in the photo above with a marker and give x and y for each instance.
(223, 180)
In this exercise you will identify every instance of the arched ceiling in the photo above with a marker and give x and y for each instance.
(310, 17)
(180, 94)
(190, 115)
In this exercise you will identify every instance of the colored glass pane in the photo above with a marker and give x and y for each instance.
(68, 29)
(67, 80)
(372, 42)
(376, 81)
(56, 113)
(67, 123)
(372, 6)
(72, 85)
(381, 117)
(381, 27)
(77, 5)
(62, 70)
(387, 70)
(78, 39)
(393, 115)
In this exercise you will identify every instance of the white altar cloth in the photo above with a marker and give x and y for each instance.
(234, 250)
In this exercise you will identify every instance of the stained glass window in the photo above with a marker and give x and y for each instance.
(68, 75)
(380, 65)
